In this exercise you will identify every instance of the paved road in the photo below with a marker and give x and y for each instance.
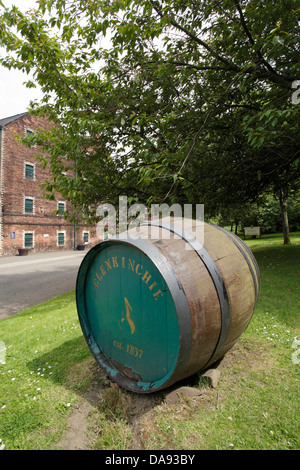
(30, 280)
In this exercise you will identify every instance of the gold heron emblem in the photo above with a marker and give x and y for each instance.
(127, 316)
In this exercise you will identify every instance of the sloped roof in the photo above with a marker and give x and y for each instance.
(8, 120)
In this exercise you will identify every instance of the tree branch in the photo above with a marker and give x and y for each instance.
(195, 38)
(193, 66)
(280, 79)
(244, 22)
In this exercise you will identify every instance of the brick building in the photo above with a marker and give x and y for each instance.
(27, 219)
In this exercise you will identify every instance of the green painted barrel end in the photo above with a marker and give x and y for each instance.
(128, 316)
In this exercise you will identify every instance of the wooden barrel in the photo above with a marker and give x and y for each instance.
(157, 309)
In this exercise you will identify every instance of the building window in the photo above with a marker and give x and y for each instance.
(61, 238)
(61, 207)
(30, 132)
(28, 205)
(86, 211)
(29, 171)
(86, 237)
(28, 239)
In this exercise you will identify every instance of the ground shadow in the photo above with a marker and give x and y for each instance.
(74, 361)
(74, 365)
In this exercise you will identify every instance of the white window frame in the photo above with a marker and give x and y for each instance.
(32, 232)
(28, 129)
(88, 232)
(65, 207)
(32, 131)
(31, 164)
(33, 205)
(65, 237)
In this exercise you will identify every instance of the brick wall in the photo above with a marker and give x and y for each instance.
(43, 225)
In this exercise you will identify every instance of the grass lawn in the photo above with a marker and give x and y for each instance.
(51, 385)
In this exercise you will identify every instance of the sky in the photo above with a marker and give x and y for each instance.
(14, 96)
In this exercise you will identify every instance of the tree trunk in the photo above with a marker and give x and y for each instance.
(236, 227)
(283, 199)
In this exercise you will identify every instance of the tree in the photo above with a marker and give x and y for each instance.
(190, 101)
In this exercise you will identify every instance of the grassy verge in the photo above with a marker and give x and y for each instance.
(49, 374)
